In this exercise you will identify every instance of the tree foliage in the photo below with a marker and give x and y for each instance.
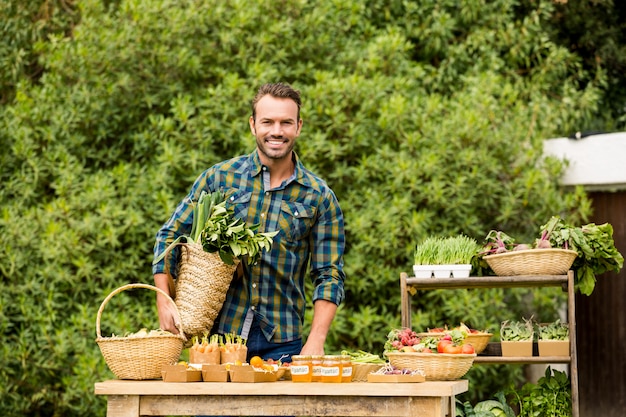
(425, 117)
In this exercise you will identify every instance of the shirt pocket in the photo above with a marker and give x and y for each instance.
(296, 219)
(240, 202)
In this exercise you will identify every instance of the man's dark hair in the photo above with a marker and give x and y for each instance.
(278, 90)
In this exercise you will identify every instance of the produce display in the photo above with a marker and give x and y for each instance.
(594, 245)
(349, 366)
(406, 340)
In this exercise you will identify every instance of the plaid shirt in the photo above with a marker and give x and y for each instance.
(307, 214)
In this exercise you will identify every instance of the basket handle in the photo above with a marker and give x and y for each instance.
(129, 286)
(170, 279)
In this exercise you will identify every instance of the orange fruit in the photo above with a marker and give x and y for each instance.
(257, 362)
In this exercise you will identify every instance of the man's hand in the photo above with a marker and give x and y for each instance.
(168, 315)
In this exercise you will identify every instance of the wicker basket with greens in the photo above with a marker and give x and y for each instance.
(218, 242)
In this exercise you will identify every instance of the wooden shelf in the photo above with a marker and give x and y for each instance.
(522, 359)
(522, 281)
(410, 285)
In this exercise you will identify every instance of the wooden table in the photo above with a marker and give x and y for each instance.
(283, 398)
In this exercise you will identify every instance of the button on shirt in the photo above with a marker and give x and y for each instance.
(311, 231)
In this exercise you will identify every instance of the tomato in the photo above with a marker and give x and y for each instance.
(441, 345)
(467, 348)
(427, 350)
(450, 348)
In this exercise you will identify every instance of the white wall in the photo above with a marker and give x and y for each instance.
(598, 161)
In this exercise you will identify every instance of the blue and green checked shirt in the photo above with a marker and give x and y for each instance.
(307, 214)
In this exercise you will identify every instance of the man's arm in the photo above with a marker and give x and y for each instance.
(323, 315)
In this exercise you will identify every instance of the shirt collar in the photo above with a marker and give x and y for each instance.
(300, 172)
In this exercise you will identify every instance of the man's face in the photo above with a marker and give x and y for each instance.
(276, 128)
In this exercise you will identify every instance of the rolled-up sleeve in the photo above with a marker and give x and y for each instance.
(328, 244)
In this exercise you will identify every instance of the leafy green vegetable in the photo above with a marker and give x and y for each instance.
(497, 242)
(596, 249)
(494, 407)
(550, 396)
(217, 229)
(202, 210)
(515, 331)
(488, 408)
(594, 244)
(229, 236)
(553, 331)
(361, 356)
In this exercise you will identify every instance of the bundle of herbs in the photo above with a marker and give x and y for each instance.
(216, 228)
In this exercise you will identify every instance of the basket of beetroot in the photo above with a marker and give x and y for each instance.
(588, 250)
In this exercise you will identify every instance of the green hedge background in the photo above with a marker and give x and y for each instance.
(426, 117)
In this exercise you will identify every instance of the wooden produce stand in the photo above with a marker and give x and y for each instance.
(283, 398)
(410, 285)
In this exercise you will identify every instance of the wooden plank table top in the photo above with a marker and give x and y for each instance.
(283, 398)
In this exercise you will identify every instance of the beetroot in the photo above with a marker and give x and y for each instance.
(497, 242)
(544, 242)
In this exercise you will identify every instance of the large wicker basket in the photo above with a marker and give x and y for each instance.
(478, 340)
(361, 370)
(200, 288)
(532, 262)
(138, 358)
(436, 366)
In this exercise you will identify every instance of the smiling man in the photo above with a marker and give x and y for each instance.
(266, 301)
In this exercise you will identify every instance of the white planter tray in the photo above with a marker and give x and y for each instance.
(442, 271)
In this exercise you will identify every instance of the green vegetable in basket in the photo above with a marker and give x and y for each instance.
(594, 244)
(361, 356)
(230, 236)
(596, 249)
(217, 229)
